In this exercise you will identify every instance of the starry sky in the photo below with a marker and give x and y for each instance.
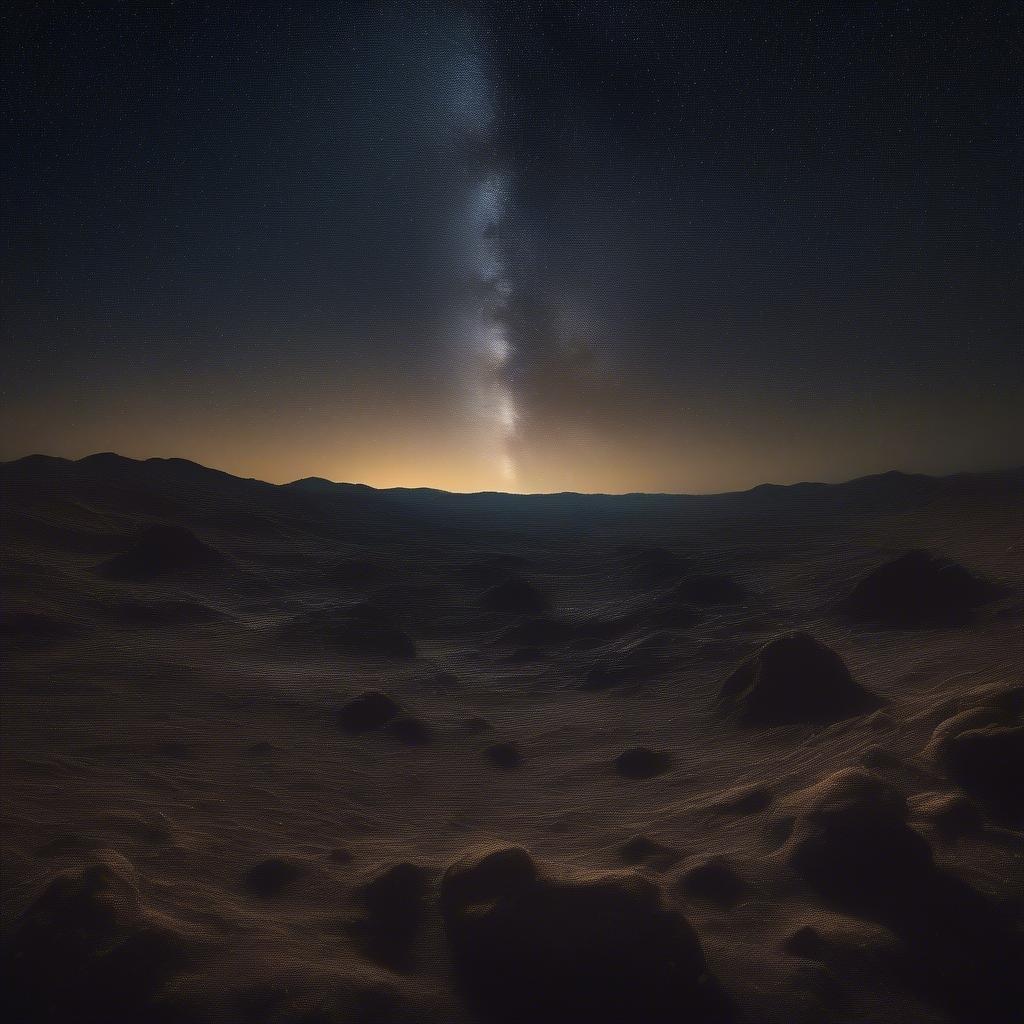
(520, 246)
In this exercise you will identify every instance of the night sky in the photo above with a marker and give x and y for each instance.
(519, 246)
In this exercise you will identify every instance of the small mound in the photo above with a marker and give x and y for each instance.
(658, 564)
(743, 800)
(642, 763)
(393, 902)
(649, 852)
(635, 663)
(672, 616)
(413, 732)
(830, 937)
(157, 614)
(591, 949)
(852, 843)
(515, 596)
(270, 877)
(919, 589)
(988, 761)
(360, 629)
(66, 842)
(709, 590)
(368, 711)
(33, 627)
(713, 879)
(952, 814)
(161, 550)
(506, 756)
(540, 631)
(353, 572)
(793, 679)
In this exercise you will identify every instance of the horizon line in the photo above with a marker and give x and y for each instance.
(1013, 468)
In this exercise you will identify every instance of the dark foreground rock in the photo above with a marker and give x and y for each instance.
(272, 876)
(852, 845)
(411, 731)
(708, 590)
(368, 711)
(161, 550)
(649, 852)
(393, 902)
(983, 750)
(506, 756)
(530, 945)
(852, 842)
(712, 878)
(794, 679)
(515, 596)
(87, 950)
(919, 589)
(642, 763)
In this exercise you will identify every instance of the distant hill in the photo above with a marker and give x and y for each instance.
(178, 481)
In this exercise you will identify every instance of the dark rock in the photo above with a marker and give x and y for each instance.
(413, 732)
(806, 942)
(852, 845)
(714, 879)
(270, 877)
(533, 946)
(353, 572)
(87, 950)
(364, 611)
(988, 761)
(504, 755)
(952, 814)
(852, 842)
(515, 596)
(793, 679)
(649, 852)
(33, 627)
(659, 564)
(744, 800)
(359, 629)
(642, 763)
(634, 664)
(161, 550)
(444, 679)
(919, 589)
(526, 656)
(541, 631)
(159, 614)
(709, 590)
(674, 616)
(394, 910)
(368, 711)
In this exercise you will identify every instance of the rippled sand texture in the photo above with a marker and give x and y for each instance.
(318, 753)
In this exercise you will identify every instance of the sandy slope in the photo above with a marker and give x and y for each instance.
(193, 832)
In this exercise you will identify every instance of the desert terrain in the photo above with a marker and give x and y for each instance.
(320, 753)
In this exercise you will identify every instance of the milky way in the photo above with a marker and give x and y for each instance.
(488, 288)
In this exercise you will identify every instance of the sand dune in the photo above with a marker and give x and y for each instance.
(323, 753)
